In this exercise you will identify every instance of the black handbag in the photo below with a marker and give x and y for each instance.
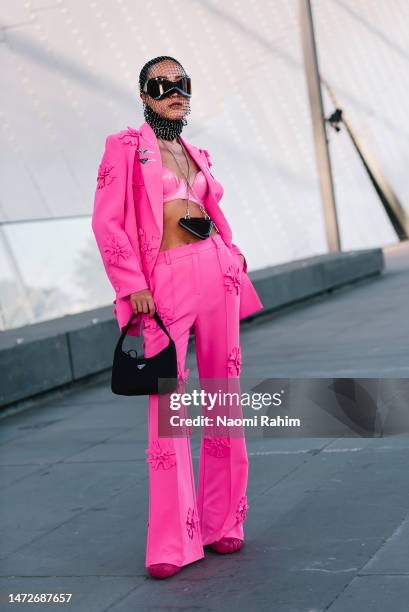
(129, 379)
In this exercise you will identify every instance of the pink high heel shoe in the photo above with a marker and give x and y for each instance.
(163, 570)
(227, 545)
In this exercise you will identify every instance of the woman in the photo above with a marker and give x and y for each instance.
(155, 198)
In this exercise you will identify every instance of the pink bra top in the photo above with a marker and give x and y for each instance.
(175, 188)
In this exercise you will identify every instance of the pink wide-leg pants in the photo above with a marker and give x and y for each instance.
(195, 287)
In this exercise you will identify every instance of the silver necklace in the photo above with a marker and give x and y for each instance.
(188, 185)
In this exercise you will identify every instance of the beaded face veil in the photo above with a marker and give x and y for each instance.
(165, 89)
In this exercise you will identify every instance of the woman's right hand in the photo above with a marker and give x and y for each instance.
(142, 301)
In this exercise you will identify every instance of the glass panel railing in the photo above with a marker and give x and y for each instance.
(50, 268)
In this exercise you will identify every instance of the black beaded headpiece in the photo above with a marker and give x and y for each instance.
(165, 128)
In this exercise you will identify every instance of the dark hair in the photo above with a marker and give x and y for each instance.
(144, 72)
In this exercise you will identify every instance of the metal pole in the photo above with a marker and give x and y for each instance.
(398, 216)
(319, 125)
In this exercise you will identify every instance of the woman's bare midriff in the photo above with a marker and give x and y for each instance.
(173, 234)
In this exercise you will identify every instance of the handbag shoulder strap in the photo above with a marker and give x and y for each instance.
(157, 319)
(161, 324)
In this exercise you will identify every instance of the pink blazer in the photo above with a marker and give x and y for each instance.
(127, 218)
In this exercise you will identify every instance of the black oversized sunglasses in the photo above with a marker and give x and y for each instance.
(160, 87)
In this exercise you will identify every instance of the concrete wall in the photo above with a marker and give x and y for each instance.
(41, 357)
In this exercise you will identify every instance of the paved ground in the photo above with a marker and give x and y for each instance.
(328, 524)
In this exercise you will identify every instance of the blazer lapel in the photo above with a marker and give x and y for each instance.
(152, 172)
(195, 154)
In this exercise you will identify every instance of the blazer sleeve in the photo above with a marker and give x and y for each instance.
(118, 256)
